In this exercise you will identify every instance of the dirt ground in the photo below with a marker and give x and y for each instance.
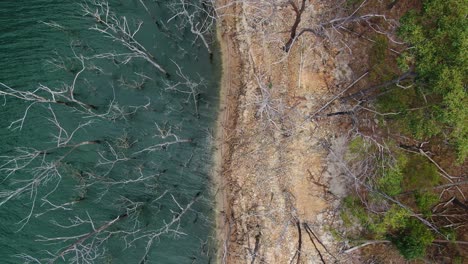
(275, 205)
(279, 187)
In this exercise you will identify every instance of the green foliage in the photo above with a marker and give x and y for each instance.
(376, 224)
(439, 54)
(423, 123)
(337, 236)
(354, 208)
(408, 234)
(377, 60)
(449, 233)
(403, 62)
(378, 52)
(394, 219)
(416, 118)
(390, 181)
(458, 260)
(346, 218)
(357, 145)
(397, 100)
(391, 174)
(420, 173)
(355, 213)
(358, 148)
(412, 240)
(425, 201)
(402, 172)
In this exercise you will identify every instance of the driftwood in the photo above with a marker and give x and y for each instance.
(317, 182)
(373, 242)
(299, 244)
(339, 94)
(257, 247)
(310, 233)
(318, 240)
(299, 248)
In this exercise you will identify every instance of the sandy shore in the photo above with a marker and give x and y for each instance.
(226, 123)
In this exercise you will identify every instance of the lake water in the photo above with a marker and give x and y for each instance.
(112, 164)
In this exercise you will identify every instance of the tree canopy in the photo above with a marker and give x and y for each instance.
(438, 38)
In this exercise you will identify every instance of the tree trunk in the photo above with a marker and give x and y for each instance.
(298, 12)
(84, 238)
(364, 92)
(341, 113)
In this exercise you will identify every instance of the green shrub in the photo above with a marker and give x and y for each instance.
(425, 201)
(390, 181)
(420, 173)
(394, 219)
(412, 240)
(358, 146)
(381, 70)
(415, 117)
(355, 208)
(391, 175)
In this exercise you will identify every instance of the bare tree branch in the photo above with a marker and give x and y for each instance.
(118, 29)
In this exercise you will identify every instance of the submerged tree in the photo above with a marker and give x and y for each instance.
(80, 166)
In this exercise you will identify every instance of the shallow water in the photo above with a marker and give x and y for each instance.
(64, 205)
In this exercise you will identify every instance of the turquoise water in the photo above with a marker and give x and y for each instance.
(97, 179)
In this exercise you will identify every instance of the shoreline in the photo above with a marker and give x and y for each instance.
(225, 125)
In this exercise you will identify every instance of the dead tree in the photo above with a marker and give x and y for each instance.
(34, 175)
(42, 165)
(66, 96)
(298, 11)
(379, 24)
(199, 16)
(165, 138)
(89, 247)
(186, 86)
(86, 252)
(364, 92)
(269, 108)
(118, 29)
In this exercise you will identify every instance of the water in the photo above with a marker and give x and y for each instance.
(97, 177)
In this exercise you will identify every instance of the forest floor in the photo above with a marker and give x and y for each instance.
(277, 200)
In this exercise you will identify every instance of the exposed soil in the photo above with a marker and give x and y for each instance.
(274, 201)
